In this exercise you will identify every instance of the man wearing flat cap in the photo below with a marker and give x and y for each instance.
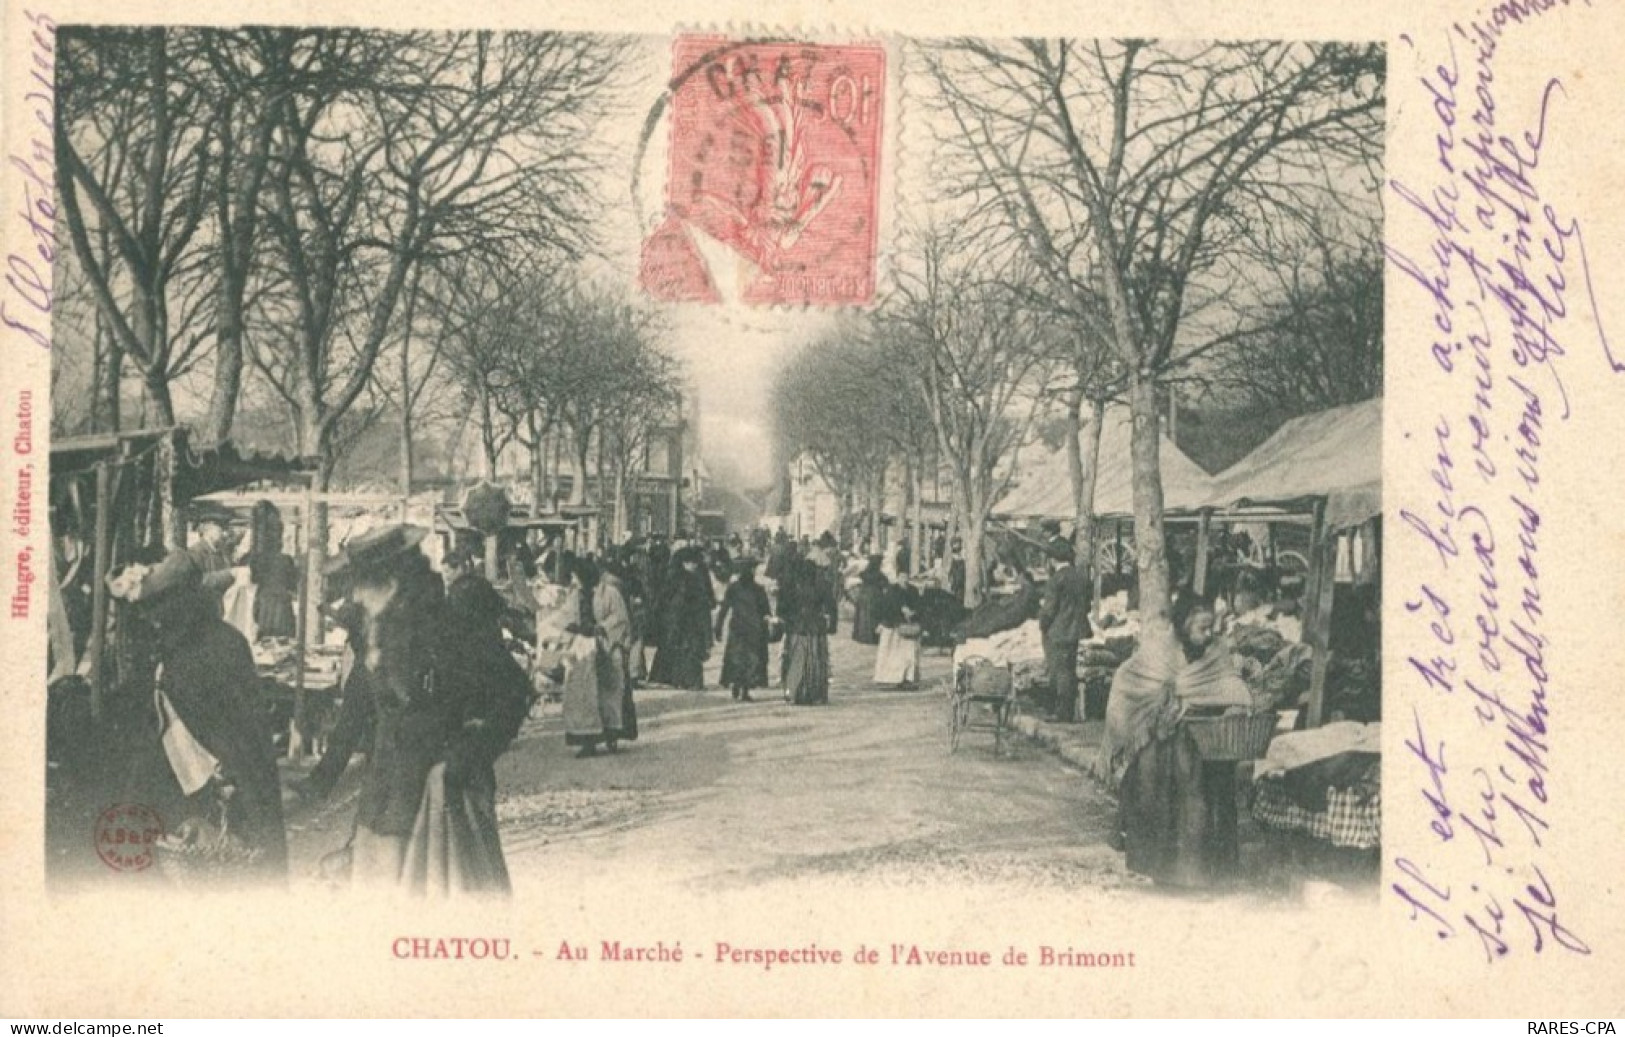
(212, 550)
(1064, 621)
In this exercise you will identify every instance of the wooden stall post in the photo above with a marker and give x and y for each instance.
(296, 738)
(1317, 620)
(98, 594)
(1204, 524)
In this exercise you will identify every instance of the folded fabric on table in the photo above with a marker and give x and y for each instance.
(1309, 786)
(1352, 818)
(1293, 749)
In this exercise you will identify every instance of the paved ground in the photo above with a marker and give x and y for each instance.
(717, 793)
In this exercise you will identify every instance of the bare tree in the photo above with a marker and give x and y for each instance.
(981, 356)
(132, 141)
(829, 405)
(1128, 170)
(417, 146)
(1322, 344)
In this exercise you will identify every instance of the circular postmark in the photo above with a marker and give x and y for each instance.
(773, 150)
(125, 835)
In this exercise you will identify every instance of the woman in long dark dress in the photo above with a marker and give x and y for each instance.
(444, 707)
(872, 584)
(686, 628)
(274, 575)
(807, 609)
(209, 685)
(745, 614)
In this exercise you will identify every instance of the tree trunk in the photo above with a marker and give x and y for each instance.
(162, 403)
(975, 526)
(406, 437)
(578, 485)
(916, 547)
(538, 473)
(406, 397)
(1151, 553)
(228, 362)
(488, 435)
(1085, 469)
(621, 524)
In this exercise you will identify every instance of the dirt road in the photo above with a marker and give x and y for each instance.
(719, 794)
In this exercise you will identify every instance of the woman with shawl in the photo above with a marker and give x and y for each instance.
(594, 667)
(1151, 763)
(441, 707)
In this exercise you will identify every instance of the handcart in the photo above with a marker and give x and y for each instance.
(982, 696)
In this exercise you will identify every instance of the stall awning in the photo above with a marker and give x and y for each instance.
(198, 471)
(451, 517)
(1333, 454)
(1044, 488)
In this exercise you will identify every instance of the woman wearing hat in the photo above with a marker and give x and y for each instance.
(444, 707)
(745, 614)
(216, 749)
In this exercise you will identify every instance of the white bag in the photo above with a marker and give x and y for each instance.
(192, 763)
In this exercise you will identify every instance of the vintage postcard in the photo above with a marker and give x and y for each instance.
(730, 509)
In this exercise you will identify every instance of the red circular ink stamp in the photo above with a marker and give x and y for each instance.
(774, 162)
(125, 835)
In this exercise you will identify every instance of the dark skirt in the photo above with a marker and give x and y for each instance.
(865, 631)
(806, 669)
(744, 661)
(453, 848)
(273, 613)
(680, 660)
(1162, 815)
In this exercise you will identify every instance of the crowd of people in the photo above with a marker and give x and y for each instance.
(433, 690)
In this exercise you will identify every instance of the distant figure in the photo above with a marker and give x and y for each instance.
(685, 623)
(897, 663)
(872, 583)
(1064, 621)
(808, 612)
(471, 600)
(745, 615)
(274, 574)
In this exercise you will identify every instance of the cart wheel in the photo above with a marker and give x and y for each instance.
(1001, 716)
(957, 708)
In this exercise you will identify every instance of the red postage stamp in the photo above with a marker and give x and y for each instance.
(774, 165)
(125, 835)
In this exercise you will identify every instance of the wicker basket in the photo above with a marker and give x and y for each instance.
(205, 854)
(986, 679)
(1232, 737)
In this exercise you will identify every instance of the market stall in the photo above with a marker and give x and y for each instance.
(118, 497)
(1319, 784)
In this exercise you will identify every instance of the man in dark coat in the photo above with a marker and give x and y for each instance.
(211, 552)
(1064, 621)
